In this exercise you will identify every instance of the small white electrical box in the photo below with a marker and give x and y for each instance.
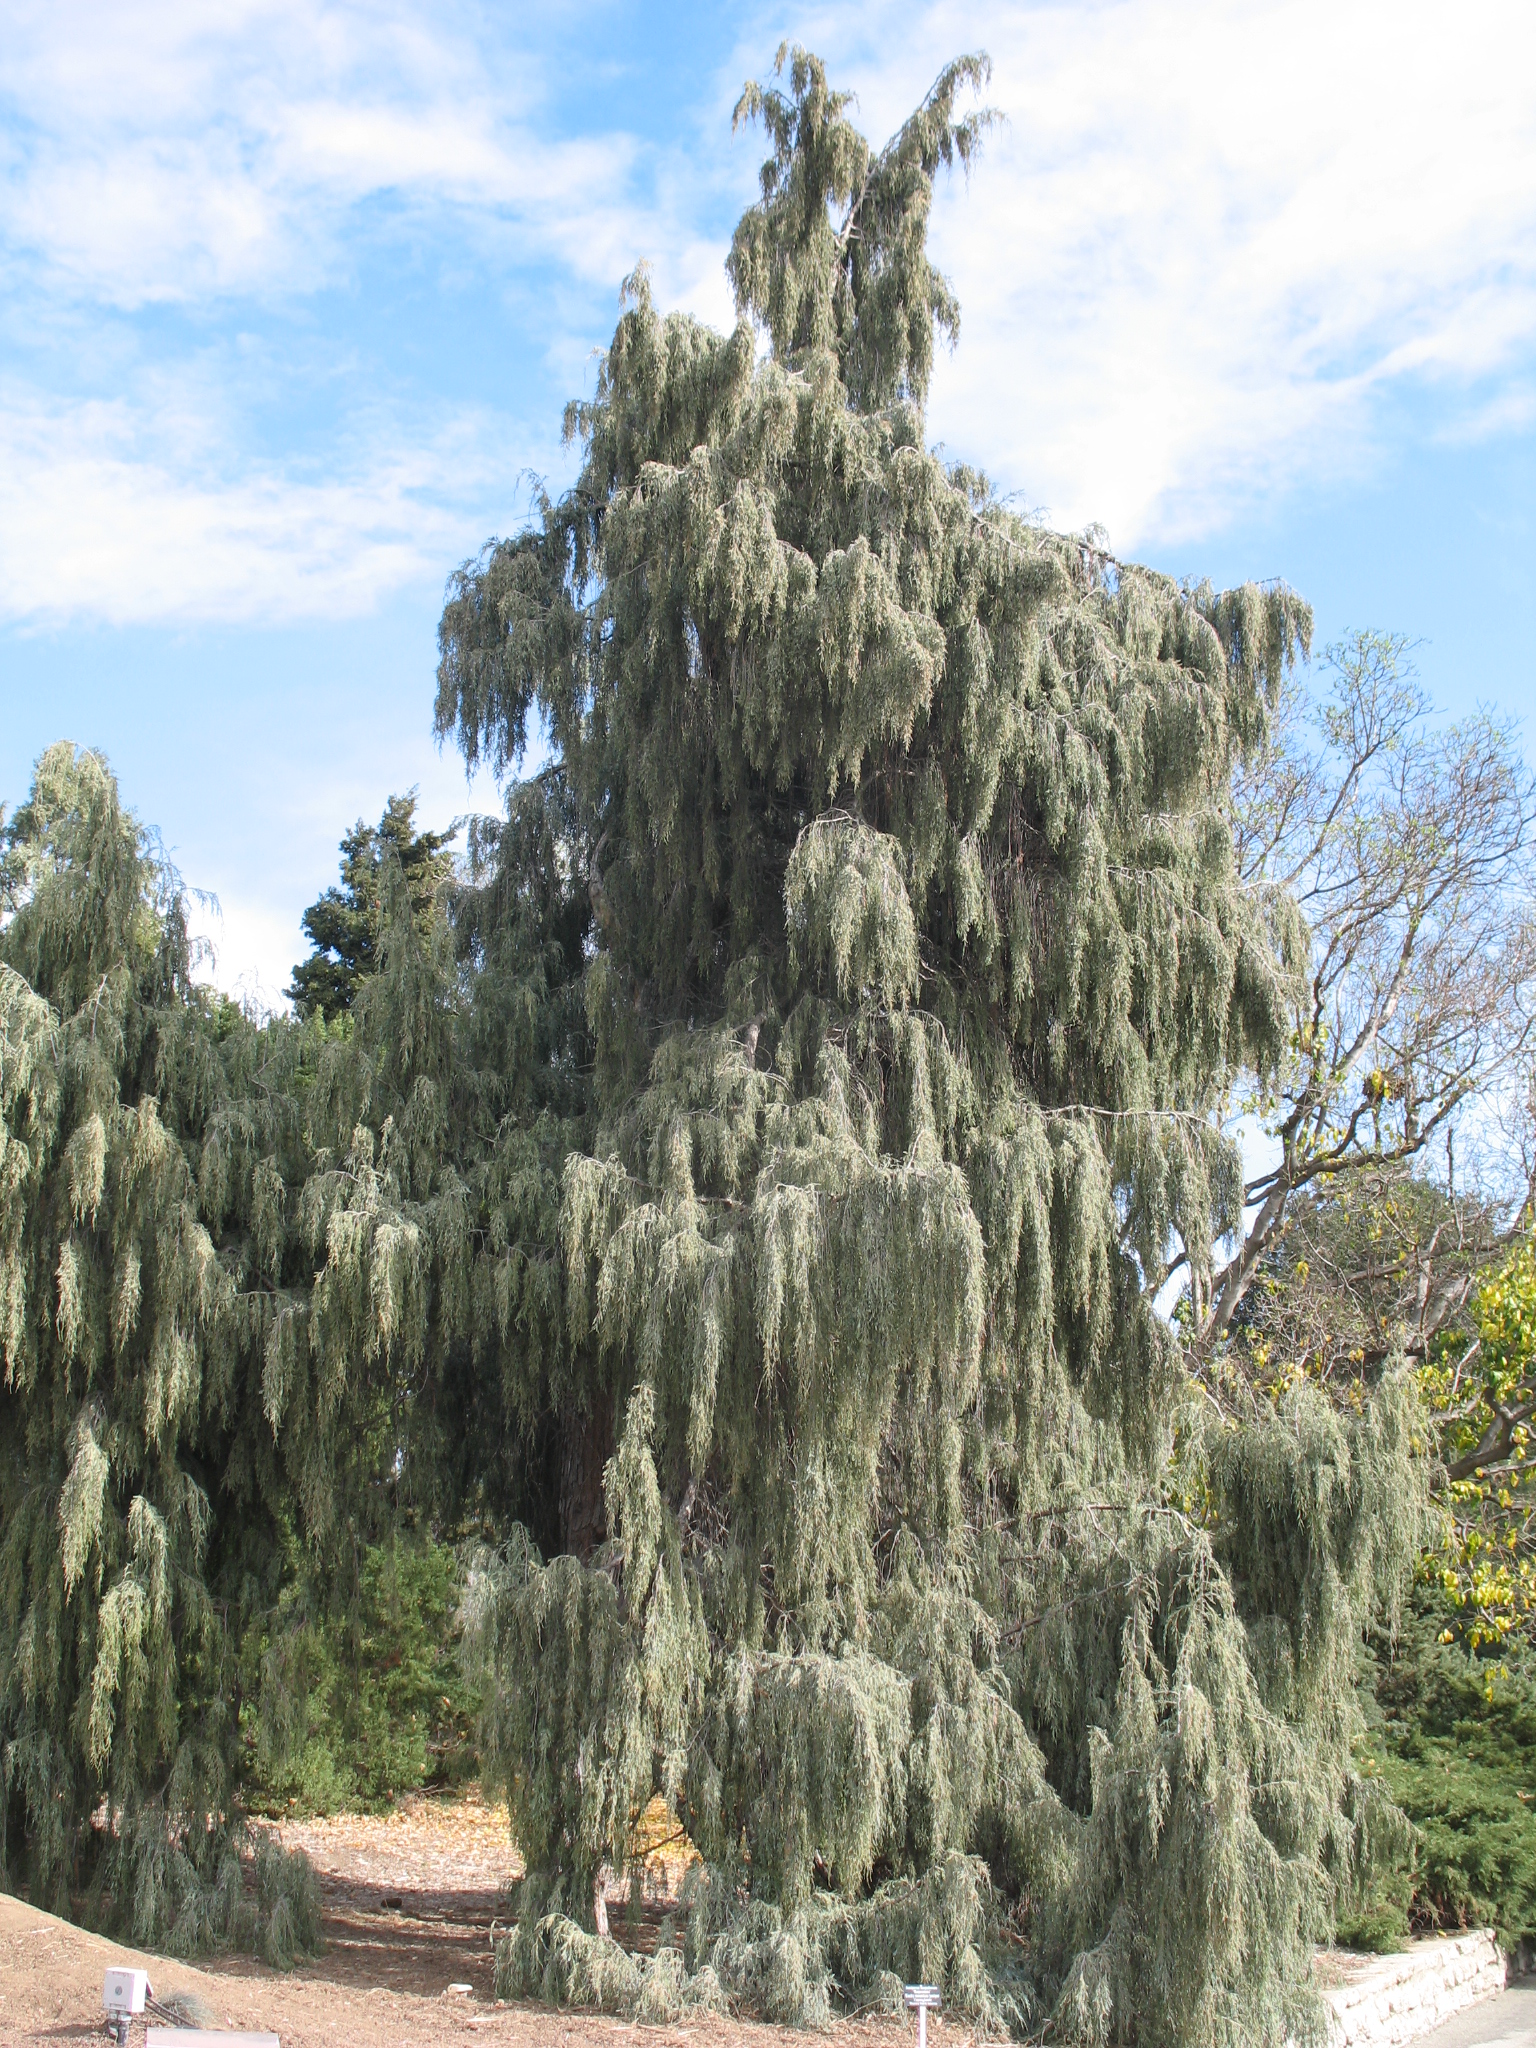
(124, 1991)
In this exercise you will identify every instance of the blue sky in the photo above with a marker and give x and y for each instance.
(291, 299)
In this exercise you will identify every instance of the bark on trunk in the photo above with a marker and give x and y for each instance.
(587, 1445)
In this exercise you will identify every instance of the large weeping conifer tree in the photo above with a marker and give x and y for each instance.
(882, 1535)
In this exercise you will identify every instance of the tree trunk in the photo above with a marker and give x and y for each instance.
(586, 1446)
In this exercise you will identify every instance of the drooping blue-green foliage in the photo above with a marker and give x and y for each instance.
(242, 1278)
(743, 1199)
(135, 1470)
(918, 971)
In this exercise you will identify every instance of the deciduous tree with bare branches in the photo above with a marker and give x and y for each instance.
(1410, 848)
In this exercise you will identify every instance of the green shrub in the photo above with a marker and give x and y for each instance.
(1454, 1737)
(366, 1699)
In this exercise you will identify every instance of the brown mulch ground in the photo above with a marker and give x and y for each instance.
(410, 1900)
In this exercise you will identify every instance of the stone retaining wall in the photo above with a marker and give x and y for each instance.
(1384, 2001)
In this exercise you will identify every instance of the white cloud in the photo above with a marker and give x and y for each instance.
(160, 158)
(248, 949)
(156, 161)
(1213, 247)
(1211, 239)
(261, 878)
(128, 513)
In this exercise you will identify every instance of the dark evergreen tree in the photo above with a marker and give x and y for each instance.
(343, 925)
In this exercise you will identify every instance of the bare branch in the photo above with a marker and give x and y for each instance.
(1409, 847)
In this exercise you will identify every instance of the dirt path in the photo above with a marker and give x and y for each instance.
(429, 1851)
(418, 1891)
(50, 1991)
(410, 1899)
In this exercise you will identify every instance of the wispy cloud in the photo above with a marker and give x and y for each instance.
(158, 164)
(1209, 242)
(158, 154)
(1212, 238)
(114, 510)
(250, 927)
